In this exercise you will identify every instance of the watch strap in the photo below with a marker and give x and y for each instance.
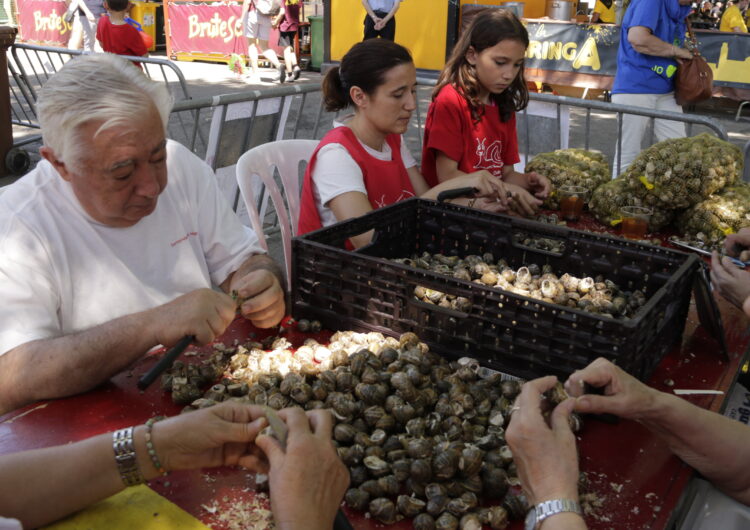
(127, 465)
(553, 507)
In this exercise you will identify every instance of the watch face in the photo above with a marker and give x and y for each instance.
(530, 523)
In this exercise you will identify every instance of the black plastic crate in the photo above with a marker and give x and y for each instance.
(512, 333)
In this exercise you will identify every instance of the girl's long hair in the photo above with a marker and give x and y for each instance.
(488, 28)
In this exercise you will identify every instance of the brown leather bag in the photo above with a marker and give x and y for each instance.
(694, 79)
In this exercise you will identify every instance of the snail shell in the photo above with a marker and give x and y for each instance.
(383, 510)
(357, 499)
(423, 521)
(410, 506)
(446, 521)
(389, 485)
(470, 521)
(377, 466)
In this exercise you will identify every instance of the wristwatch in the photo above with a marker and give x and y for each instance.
(545, 509)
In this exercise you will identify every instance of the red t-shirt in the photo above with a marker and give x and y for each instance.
(120, 39)
(386, 181)
(489, 144)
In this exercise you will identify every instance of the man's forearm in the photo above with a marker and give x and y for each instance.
(71, 364)
(717, 447)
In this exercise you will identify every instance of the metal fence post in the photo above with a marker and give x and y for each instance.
(7, 38)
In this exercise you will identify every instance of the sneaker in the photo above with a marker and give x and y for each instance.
(282, 73)
(296, 72)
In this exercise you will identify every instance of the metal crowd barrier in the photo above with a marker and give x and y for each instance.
(30, 66)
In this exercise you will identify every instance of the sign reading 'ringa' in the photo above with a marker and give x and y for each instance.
(206, 28)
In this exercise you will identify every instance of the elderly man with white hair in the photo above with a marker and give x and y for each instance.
(112, 244)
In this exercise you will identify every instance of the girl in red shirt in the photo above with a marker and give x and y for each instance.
(471, 123)
(362, 165)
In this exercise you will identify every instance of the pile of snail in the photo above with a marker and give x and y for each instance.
(423, 438)
(594, 295)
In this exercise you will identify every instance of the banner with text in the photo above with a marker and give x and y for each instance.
(592, 49)
(206, 28)
(41, 22)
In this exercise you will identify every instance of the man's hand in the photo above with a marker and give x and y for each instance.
(260, 297)
(623, 395)
(545, 454)
(204, 313)
(732, 282)
(307, 480)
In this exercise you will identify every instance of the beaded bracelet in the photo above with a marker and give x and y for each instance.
(150, 445)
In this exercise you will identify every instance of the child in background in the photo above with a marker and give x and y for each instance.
(288, 23)
(117, 36)
(471, 123)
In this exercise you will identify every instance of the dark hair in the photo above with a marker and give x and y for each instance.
(117, 5)
(488, 28)
(365, 66)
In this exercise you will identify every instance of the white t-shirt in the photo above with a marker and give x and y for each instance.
(336, 172)
(10, 524)
(62, 272)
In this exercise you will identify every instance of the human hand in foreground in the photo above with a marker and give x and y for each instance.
(522, 202)
(380, 24)
(546, 455)
(538, 184)
(738, 245)
(261, 297)
(623, 394)
(204, 313)
(307, 480)
(222, 435)
(732, 282)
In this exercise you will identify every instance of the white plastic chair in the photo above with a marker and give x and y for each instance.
(236, 127)
(259, 163)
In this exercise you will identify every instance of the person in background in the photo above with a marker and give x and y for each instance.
(545, 453)
(117, 36)
(380, 20)
(288, 23)
(604, 12)
(307, 480)
(257, 29)
(471, 122)
(652, 35)
(363, 164)
(114, 243)
(84, 25)
(732, 19)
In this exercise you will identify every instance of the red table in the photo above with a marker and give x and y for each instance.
(637, 478)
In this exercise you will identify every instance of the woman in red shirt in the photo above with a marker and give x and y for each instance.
(471, 123)
(362, 164)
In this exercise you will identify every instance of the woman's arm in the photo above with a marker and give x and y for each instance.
(349, 205)
(43, 485)
(643, 41)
